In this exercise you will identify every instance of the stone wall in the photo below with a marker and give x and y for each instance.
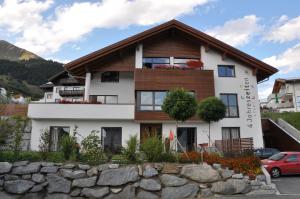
(111, 181)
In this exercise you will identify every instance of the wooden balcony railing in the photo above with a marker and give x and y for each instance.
(235, 145)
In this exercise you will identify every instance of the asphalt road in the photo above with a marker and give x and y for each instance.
(288, 187)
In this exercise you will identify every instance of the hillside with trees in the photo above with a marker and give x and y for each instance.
(22, 72)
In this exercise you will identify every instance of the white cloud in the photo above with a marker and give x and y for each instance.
(69, 23)
(237, 32)
(284, 30)
(17, 15)
(264, 90)
(287, 61)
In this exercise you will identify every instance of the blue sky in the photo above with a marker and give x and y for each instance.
(67, 29)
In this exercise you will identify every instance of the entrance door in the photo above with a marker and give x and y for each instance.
(187, 138)
(112, 139)
(150, 130)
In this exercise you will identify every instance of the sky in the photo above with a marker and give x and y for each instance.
(68, 29)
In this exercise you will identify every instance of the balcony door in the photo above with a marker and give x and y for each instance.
(56, 134)
(150, 130)
(112, 139)
(187, 139)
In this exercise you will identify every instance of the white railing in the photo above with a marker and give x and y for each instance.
(292, 131)
(81, 111)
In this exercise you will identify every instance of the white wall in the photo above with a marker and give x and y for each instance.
(248, 127)
(84, 128)
(124, 88)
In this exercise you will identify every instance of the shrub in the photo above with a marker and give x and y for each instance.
(167, 157)
(9, 156)
(249, 165)
(44, 146)
(55, 157)
(17, 133)
(91, 148)
(67, 146)
(153, 148)
(130, 151)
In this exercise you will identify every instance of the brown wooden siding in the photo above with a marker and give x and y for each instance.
(171, 45)
(199, 81)
(121, 61)
(13, 110)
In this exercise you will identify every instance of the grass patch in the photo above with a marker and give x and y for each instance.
(292, 118)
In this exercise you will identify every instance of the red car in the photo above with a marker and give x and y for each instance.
(283, 163)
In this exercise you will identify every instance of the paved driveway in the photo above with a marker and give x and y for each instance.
(289, 185)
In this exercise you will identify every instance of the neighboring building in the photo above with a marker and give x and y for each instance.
(62, 88)
(285, 95)
(125, 85)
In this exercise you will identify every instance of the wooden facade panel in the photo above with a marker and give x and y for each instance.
(122, 61)
(171, 45)
(199, 81)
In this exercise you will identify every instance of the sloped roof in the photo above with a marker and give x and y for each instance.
(263, 70)
(280, 81)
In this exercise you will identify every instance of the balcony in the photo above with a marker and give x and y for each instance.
(199, 81)
(81, 111)
(67, 93)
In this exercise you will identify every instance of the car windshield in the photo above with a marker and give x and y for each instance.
(277, 156)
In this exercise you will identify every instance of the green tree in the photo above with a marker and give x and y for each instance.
(210, 110)
(180, 105)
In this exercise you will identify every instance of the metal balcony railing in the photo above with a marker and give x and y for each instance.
(65, 93)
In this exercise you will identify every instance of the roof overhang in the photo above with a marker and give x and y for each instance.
(261, 69)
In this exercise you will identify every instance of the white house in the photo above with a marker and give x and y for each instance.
(285, 96)
(62, 88)
(126, 82)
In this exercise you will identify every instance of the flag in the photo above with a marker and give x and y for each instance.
(171, 135)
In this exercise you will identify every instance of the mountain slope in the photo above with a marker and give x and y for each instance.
(22, 72)
(11, 52)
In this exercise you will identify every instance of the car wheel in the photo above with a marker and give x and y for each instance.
(275, 172)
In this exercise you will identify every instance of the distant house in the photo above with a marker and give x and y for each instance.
(62, 88)
(285, 95)
(126, 83)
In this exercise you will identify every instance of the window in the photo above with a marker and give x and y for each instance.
(57, 89)
(226, 71)
(298, 101)
(150, 100)
(104, 99)
(230, 133)
(112, 139)
(292, 158)
(151, 62)
(110, 76)
(185, 62)
(230, 101)
(56, 134)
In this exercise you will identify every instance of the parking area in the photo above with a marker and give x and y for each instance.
(289, 185)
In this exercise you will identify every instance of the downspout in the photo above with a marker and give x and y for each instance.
(295, 97)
